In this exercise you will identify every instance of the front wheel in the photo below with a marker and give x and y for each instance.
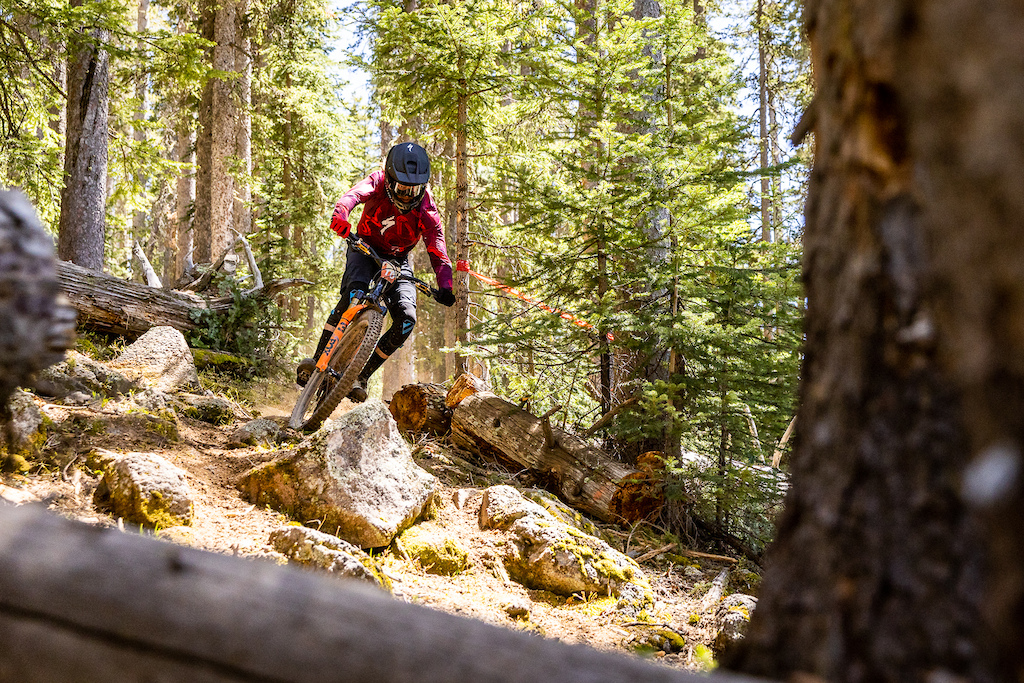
(324, 390)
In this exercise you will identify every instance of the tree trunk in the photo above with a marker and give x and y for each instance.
(877, 570)
(242, 209)
(461, 226)
(960, 87)
(400, 369)
(184, 195)
(762, 120)
(93, 605)
(202, 235)
(82, 204)
(223, 142)
(139, 133)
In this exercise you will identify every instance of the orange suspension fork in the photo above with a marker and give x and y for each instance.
(332, 343)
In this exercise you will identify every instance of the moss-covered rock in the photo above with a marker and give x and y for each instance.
(551, 555)
(437, 555)
(356, 475)
(143, 488)
(22, 436)
(210, 409)
(218, 361)
(733, 615)
(316, 549)
(561, 511)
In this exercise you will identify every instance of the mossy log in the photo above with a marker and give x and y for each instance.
(109, 304)
(420, 409)
(584, 476)
(89, 604)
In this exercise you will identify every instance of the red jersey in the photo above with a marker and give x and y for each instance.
(392, 233)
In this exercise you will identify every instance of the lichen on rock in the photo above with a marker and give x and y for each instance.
(443, 556)
(339, 557)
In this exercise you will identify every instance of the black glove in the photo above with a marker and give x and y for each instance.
(445, 297)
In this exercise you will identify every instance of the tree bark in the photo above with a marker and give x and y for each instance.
(461, 308)
(421, 409)
(958, 80)
(224, 123)
(87, 604)
(202, 235)
(242, 209)
(400, 370)
(109, 304)
(878, 568)
(762, 119)
(585, 477)
(139, 218)
(81, 237)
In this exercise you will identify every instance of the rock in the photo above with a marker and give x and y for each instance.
(330, 553)
(210, 409)
(733, 615)
(144, 488)
(561, 511)
(78, 398)
(223, 362)
(517, 608)
(356, 476)
(81, 375)
(13, 496)
(23, 428)
(259, 432)
(443, 556)
(152, 401)
(554, 556)
(546, 553)
(160, 358)
(463, 497)
(503, 505)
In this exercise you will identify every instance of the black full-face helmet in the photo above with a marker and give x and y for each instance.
(406, 173)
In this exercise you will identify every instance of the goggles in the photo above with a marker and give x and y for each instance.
(407, 190)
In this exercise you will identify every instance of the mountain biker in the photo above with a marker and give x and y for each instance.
(399, 210)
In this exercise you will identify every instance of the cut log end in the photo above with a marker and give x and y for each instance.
(420, 408)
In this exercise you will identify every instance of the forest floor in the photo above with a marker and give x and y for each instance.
(225, 523)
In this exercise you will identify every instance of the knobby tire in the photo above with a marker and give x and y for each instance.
(354, 349)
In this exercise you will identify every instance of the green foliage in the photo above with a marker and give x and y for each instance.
(249, 327)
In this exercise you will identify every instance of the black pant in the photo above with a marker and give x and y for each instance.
(400, 301)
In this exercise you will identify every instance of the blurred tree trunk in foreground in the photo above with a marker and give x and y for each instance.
(912, 413)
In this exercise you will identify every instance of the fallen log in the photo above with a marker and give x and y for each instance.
(89, 604)
(420, 409)
(109, 304)
(584, 476)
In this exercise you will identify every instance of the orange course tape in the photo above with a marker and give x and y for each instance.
(464, 267)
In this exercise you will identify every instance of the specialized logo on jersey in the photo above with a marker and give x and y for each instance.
(387, 223)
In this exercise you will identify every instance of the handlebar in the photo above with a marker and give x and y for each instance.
(364, 248)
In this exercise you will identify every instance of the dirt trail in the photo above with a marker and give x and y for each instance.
(225, 523)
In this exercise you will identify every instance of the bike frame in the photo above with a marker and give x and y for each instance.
(388, 274)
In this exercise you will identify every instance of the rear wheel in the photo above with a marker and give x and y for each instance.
(324, 390)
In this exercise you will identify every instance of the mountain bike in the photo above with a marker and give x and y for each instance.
(350, 345)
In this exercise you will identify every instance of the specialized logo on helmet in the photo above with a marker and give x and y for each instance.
(409, 148)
